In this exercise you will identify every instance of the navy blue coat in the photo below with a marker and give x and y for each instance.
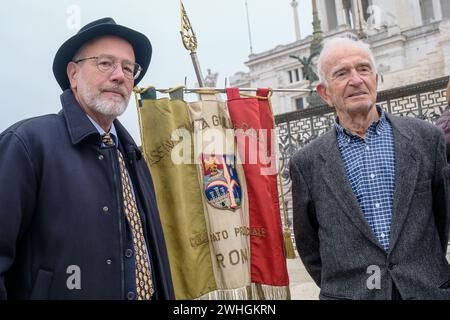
(60, 209)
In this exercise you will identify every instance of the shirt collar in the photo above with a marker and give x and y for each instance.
(100, 130)
(376, 127)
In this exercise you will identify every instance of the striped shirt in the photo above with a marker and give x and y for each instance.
(370, 168)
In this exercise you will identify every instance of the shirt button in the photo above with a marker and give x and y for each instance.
(377, 205)
(101, 157)
(367, 148)
(131, 295)
(382, 235)
(129, 253)
(105, 209)
(372, 176)
(109, 262)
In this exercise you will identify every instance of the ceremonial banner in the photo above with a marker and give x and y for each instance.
(225, 202)
(166, 132)
(253, 123)
(221, 225)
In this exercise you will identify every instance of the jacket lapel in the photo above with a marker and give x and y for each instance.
(335, 177)
(78, 124)
(406, 174)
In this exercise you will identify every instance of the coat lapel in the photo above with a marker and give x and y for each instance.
(406, 174)
(335, 177)
(78, 124)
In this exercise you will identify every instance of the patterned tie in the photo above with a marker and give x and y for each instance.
(144, 285)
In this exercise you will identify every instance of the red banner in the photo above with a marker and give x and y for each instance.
(253, 123)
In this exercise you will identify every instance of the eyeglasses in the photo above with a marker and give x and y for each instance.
(108, 64)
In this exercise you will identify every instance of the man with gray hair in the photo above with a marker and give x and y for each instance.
(369, 196)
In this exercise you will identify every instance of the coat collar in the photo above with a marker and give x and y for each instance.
(406, 166)
(81, 129)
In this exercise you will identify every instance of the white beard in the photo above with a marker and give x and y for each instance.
(109, 107)
(112, 107)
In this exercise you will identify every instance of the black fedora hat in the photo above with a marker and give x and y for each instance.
(102, 27)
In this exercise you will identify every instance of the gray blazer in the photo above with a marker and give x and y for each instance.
(337, 245)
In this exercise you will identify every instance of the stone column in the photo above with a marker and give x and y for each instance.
(294, 5)
(358, 15)
(437, 9)
(340, 13)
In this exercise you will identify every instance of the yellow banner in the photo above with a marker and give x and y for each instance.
(178, 195)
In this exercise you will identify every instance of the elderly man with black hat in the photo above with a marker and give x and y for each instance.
(78, 214)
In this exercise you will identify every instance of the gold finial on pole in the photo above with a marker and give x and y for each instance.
(190, 43)
(187, 32)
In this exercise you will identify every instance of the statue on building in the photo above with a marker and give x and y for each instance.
(379, 18)
(308, 68)
(211, 79)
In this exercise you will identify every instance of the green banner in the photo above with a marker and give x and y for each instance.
(166, 131)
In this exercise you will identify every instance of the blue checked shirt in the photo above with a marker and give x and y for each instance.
(370, 167)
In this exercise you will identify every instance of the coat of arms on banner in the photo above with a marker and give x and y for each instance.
(220, 181)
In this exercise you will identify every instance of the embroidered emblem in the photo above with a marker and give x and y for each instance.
(220, 181)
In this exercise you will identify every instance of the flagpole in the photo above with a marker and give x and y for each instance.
(190, 43)
(217, 90)
(223, 90)
(249, 29)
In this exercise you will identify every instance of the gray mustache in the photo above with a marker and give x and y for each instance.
(115, 89)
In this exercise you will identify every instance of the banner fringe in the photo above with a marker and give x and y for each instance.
(255, 291)
(266, 292)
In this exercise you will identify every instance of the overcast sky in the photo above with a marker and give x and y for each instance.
(32, 31)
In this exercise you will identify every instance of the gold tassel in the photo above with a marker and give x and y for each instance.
(289, 251)
(288, 245)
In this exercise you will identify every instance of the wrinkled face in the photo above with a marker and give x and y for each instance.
(351, 80)
(106, 93)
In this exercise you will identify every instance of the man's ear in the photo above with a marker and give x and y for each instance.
(322, 91)
(72, 74)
